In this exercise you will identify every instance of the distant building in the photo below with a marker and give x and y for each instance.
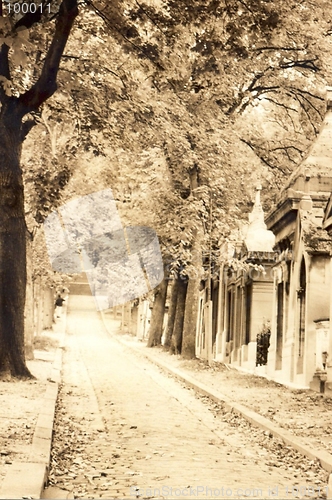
(241, 300)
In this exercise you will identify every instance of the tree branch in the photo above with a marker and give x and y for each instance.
(68, 56)
(120, 33)
(280, 104)
(246, 6)
(261, 157)
(46, 84)
(150, 17)
(301, 63)
(276, 48)
(306, 97)
(286, 148)
(4, 70)
(310, 94)
(255, 79)
(26, 127)
(262, 89)
(289, 112)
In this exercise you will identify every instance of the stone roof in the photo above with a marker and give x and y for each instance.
(311, 179)
(318, 161)
(315, 238)
(314, 174)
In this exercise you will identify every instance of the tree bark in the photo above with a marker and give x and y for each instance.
(12, 247)
(191, 308)
(157, 317)
(171, 313)
(190, 319)
(176, 343)
(12, 221)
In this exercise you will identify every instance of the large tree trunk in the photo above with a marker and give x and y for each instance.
(12, 248)
(190, 319)
(157, 317)
(191, 310)
(176, 343)
(191, 307)
(171, 313)
(12, 221)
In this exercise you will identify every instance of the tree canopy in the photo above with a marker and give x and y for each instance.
(181, 84)
(180, 107)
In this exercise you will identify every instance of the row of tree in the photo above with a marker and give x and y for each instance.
(179, 107)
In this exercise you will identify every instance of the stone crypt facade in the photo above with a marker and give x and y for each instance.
(274, 296)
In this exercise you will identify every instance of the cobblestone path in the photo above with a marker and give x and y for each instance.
(124, 429)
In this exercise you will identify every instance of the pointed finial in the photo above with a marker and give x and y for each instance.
(258, 237)
(258, 195)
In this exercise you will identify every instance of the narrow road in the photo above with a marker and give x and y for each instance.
(124, 429)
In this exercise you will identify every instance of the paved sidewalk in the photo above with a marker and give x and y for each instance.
(124, 429)
(301, 415)
(26, 420)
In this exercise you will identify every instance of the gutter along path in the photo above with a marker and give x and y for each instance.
(304, 446)
(124, 429)
(300, 419)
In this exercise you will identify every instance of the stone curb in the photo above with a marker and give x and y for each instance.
(28, 479)
(324, 458)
